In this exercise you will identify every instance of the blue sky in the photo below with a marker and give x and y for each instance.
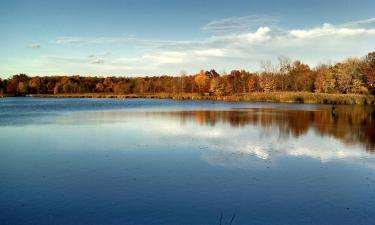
(158, 37)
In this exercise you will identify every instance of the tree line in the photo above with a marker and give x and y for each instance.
(353, 75)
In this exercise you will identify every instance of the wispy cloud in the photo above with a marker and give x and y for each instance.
(239, 24)
(96, 40)
(64, 59)
(97, 61)
(367, 23)
(34, 46)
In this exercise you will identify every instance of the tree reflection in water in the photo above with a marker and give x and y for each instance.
(351, 125)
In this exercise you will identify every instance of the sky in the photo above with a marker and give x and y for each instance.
(156, 37)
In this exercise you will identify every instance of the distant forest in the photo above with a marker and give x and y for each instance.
(353, 75)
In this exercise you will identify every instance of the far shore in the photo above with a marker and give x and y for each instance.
(285, 97)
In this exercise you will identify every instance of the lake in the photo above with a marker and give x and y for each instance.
(174, 162)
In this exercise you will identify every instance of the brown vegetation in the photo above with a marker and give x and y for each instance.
(289, 97)
(287, 82)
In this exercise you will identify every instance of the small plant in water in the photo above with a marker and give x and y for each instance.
(221, 219)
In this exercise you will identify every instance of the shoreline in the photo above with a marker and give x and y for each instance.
(283, 97)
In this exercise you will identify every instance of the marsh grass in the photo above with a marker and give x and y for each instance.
(288, 97)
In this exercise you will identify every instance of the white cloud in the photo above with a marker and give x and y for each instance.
(209, 52)
(241, 46)
(328, 30)
(250, 143)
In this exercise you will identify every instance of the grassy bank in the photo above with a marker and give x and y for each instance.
(290, 97)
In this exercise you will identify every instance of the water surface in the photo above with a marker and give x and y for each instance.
(138, 161)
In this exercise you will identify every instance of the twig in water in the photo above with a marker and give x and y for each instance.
(231, 221)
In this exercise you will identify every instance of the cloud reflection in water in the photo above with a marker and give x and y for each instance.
(240, 136)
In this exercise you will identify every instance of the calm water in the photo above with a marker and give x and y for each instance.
(86, 161)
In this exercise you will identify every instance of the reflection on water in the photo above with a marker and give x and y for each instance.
(184, 162)
(265, 133)
(351, 125)
(348, 124)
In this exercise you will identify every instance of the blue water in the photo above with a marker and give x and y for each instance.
(137, 161)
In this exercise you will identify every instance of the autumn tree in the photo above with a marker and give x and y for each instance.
(285, 81)
(267, 79)
(181, 82)
(139, 85)
(239, 81)
(253, 83)
(354, 75)
(217, 86)
(121, 87)
(36, 86)
(267, 82)
(351, 77)
(99, 87)
(301, 77)
(190, 85)
(212, 74)
(50, 85)
(1, 86)
(369, 71)
(67, 85)
(326, 81)
(108, 84)
(202, 80)
(18, 85)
